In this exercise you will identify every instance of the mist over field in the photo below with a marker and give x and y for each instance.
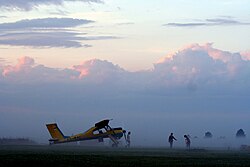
(195, 90)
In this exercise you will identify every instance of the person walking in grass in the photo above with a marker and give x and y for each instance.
(187, 141)
(171, 139)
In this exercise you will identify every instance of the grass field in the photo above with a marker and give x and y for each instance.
(89, 156)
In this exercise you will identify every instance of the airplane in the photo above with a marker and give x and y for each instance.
(100, 131)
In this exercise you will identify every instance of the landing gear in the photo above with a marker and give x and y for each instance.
(114, 145)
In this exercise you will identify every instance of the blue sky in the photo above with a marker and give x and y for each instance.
(180, 63)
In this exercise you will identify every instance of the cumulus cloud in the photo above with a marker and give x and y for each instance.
(47, 32)
(209, 22)
(92, 71)
(28, 72)
(246, 55)
(31, 4)
(191, 67)
(98, 70)
(199, 63)
(24, 65)
(202, 65)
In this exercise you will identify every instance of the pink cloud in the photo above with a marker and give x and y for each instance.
(83, 68)
(24, 64)
(201, 64)
(97, 70)
(216, 54)
(192, 64)
(245, 55)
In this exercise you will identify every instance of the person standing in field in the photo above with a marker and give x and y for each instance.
(171, 139)
(187, 141)
(128, 139)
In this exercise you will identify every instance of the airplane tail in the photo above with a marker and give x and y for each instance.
(55, 132)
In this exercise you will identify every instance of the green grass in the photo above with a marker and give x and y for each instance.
(89, 156)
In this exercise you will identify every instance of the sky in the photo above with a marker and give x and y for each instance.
(170, 66)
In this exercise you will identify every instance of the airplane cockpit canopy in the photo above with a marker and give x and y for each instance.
(102, 124)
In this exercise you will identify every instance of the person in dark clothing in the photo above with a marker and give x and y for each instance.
(187, 141)
(128, 139)
(171, 139)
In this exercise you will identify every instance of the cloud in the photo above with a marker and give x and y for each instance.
(59, 12)
(209, 22)
(184, 24)
(191, 67)
(91, 71)
(47, 32)
(99, 71)
(31, 4)
(28, 72)
(43, 39)
(125, 23)
(202, 65)
(24, 65)
(246, 55)
(49, 39)
(44, 23)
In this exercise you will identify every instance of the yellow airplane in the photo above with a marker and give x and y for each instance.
(100, 131)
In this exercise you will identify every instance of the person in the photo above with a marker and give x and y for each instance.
(171, 139)
(100, 139)
(187, 141)
(128, 139)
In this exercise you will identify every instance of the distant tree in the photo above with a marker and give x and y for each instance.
(208, 135)
(240, 133)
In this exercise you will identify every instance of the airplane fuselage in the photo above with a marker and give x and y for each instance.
(117, 133)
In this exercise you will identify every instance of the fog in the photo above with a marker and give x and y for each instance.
(149, 118)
